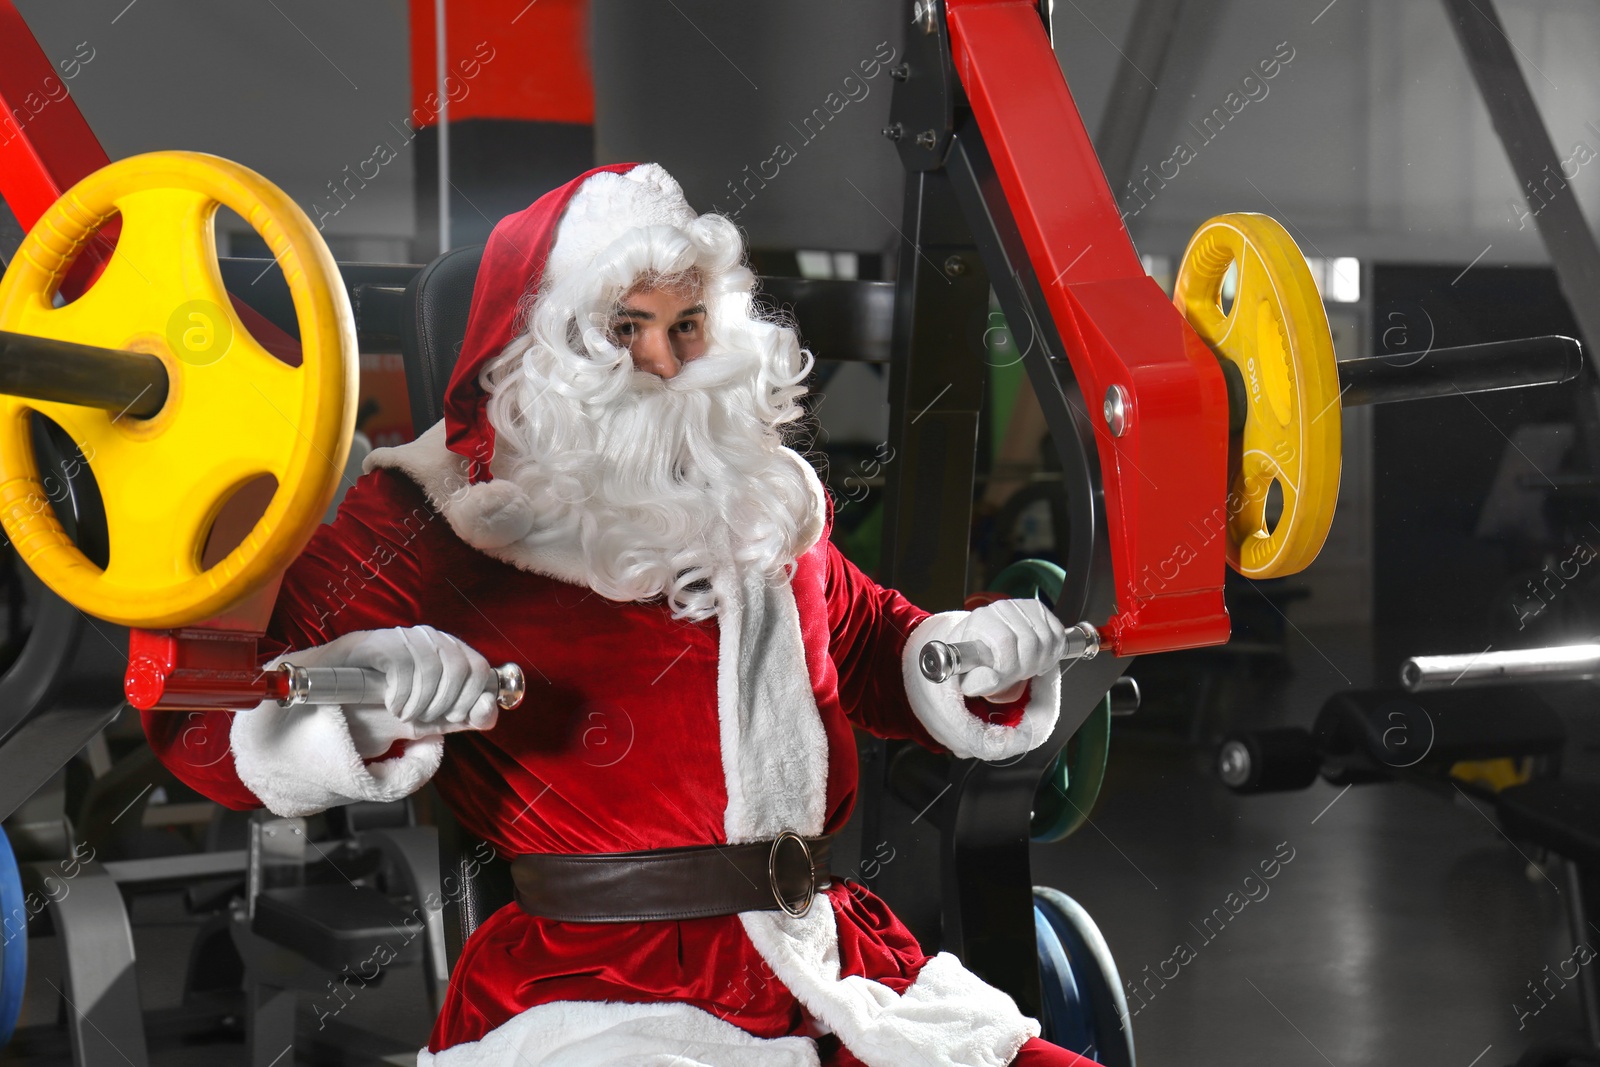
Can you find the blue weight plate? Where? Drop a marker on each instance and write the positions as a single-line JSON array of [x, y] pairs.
[[14, 947], [1094, 974], [1068, 1018]]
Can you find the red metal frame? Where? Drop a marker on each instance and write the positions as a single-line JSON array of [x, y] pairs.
[[45, 144], [1165, 478]]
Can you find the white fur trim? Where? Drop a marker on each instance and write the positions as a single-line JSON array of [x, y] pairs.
[[943, 710], [774, 750], [949, 1017], [496, 512], [302, 760], [605, 1034], [607, 206]]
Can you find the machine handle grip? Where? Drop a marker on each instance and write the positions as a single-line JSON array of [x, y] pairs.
[[940, 661], [364, 685]]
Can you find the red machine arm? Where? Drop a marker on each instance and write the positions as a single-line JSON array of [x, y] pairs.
[[1165, 475]]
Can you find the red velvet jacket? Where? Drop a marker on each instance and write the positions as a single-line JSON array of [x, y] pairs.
[[615, 748]]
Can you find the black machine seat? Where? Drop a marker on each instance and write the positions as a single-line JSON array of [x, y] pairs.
[[337, 926], [1561, 816], [437, 301]]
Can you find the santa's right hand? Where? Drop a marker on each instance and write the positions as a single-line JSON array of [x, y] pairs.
[[433, 682]]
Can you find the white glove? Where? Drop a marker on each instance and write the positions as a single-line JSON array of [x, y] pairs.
[[433, 683], [307, 758], [1024, 639]]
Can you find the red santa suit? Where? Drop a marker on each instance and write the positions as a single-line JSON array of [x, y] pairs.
[[639, 731]]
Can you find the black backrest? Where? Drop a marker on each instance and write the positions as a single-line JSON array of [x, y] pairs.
[[476, 884], [435, 321]]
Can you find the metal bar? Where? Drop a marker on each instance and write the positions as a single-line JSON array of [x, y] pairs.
[[1565, 663], [1453, 371], [42, 368], [441, 74], [1526, 140], [1086, 592], [177, 870], [936, 387], [1133, 90]]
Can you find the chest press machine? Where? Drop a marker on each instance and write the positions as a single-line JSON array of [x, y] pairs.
[[1173, 420]]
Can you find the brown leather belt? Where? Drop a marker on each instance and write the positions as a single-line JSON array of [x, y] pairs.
[[783, 874]]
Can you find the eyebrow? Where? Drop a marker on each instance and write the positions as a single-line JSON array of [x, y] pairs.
[[639, 313]]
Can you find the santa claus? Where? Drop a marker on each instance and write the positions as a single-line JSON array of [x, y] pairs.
[[609, 502]]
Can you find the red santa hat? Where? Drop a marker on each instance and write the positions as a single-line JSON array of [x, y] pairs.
[[559, 233]]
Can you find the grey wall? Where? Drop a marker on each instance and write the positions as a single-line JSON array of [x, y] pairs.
[[1371, 142], [296, 89], [722, 83]]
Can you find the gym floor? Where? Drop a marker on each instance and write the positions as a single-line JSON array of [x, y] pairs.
[[1404, 930], [1398, 927]]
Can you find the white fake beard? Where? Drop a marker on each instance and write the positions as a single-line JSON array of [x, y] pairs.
[[668, 483]]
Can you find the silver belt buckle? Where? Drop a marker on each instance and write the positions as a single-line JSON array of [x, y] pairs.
[[811, 874]]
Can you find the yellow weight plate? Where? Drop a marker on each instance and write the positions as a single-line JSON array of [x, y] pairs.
[[1276, 333], [1497, 774], [234, 412]]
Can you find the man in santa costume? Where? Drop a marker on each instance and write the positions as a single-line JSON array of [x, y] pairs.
[[609, 503]]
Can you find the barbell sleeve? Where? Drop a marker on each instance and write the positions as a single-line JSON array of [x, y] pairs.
[[940, 661], [1438, 372], [364, 685], [42, 368], [1564, 663]]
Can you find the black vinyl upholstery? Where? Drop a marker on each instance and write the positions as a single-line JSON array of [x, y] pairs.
[[337, 927], [475, 884], [435, 321]]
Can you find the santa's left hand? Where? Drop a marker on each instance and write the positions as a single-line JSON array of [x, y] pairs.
[[1024, 639]]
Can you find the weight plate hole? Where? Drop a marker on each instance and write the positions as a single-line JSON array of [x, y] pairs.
[[70, 489], [233, 235], [238, 516], [1229, 289], [103, 243], [1274, 507]]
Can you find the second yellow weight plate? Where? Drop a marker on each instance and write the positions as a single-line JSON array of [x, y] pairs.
[[1275, 331]]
